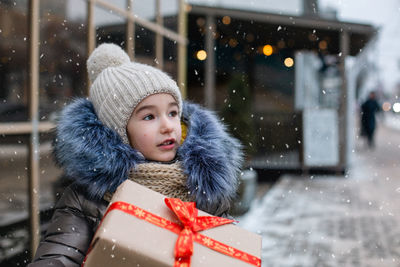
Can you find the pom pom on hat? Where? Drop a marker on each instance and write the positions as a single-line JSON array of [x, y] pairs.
[[119, 85], [104, 56]]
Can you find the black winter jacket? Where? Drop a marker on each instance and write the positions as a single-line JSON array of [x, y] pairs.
[[97, 161]]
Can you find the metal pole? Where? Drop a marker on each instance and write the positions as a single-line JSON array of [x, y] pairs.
[[159, 37], [210, 64], [130, 32], [343, 116], [182, 48], [91, 36], [10, 128], [33, 161]]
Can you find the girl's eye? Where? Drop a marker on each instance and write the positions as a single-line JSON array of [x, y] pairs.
[[148, 117], [173, 113]]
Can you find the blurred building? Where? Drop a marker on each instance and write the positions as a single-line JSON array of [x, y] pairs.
[[293, 57]]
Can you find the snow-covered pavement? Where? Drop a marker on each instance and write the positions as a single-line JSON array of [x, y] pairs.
[[351, 220]]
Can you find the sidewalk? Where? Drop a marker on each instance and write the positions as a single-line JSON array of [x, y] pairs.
[[351, 220]]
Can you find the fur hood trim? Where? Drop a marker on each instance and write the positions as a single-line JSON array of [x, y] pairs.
[[95, 157]]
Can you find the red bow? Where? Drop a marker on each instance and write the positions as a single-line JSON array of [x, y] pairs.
[[187, 214]]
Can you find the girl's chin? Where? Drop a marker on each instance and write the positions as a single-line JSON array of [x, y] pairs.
[[166, 157]]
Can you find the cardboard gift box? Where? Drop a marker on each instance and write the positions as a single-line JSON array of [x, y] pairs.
[[126, 239]]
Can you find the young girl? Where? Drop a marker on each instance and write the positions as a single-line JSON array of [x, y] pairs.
[[134, 126]]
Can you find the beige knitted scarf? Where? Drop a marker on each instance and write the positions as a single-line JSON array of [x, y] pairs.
[[166, 179]]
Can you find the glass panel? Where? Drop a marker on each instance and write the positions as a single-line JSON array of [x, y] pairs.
[[145, 9], [110, 28], [171, 58], [13, 55], [195, 74], [104, 16], [51, 184], [13, 107], [170, 11], [13, 182], [14, 199], [14, 220], [145, 50], [62, 56]]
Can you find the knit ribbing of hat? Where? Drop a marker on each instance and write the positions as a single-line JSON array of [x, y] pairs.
[[114, 105]]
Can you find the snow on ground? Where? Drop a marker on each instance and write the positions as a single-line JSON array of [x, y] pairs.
[[351, 220], [327, 221]]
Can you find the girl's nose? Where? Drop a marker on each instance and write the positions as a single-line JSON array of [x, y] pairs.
[[166, 124]]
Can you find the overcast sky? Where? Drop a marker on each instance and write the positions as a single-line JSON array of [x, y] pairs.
[[384, 14]]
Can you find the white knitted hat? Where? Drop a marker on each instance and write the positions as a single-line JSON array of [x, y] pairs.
[[119, 85]]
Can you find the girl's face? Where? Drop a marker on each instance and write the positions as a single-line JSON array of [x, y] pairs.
[[154, 128]]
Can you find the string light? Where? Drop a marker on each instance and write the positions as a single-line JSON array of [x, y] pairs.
[[226, 20], [268, 50], [289, 62], [201, 55]]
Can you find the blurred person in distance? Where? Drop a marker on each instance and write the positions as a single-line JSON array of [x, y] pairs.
[[368, 120]]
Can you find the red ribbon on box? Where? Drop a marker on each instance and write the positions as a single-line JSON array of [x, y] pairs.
[[189, 230]]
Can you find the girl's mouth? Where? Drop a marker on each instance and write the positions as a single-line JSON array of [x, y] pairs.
[[167, 144]]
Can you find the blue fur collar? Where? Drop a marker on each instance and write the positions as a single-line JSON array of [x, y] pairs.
[[95, 157]]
